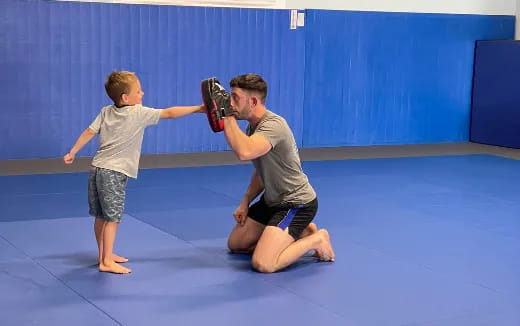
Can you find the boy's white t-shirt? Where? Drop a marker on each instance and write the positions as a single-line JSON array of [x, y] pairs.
[[121, 132]]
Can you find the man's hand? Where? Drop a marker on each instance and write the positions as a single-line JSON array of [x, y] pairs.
[[240, 212], [68, 158]]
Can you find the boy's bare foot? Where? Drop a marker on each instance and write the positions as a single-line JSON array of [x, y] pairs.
[[119, 259], [324, 251], [116, 258], [113, 267]]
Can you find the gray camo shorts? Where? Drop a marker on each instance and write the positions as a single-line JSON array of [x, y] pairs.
[[106, 194]]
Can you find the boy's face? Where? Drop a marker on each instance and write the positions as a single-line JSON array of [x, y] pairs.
[[135, 96]]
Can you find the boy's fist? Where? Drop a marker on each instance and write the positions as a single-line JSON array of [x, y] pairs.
[[68, 159]]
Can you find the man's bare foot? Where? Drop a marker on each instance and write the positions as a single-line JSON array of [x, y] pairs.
[[324, 251], [309, 230], [113, 267]]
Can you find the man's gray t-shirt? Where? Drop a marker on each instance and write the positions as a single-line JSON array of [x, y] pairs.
[[280, 168], [121, 133]]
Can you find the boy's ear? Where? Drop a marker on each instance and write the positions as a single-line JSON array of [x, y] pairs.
[[124, 97]]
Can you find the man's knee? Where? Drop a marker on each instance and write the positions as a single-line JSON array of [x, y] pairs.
[[236, 246], [233, 248], [232, 245], [262, 266]]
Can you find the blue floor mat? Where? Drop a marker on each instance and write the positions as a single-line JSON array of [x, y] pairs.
[[418, 241]]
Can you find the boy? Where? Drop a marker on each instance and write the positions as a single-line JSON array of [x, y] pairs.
[[121, 128]]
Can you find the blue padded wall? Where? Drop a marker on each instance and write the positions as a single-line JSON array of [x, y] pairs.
[[495, 114], [346, 78], [54, 57], [391, 78]]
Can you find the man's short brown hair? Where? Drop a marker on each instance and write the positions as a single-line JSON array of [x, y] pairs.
[[252, 83]]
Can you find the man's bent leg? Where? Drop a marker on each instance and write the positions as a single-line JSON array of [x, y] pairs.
[[277, 249], [243, 238]]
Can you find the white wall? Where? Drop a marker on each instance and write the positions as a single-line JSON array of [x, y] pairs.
[[486, 7], [517, 31], [482, 7], [205, 3]]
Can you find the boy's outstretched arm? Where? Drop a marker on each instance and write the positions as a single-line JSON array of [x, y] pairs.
[[179, 111], [84, 138]]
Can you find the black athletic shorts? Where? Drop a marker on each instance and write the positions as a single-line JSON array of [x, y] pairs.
[[295, 217]]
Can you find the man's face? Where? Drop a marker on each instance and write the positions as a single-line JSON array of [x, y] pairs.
[[241, 102]]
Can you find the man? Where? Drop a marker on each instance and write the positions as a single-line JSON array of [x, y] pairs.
[[277, 228]]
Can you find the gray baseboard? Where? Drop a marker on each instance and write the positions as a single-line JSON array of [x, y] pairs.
[[82, 164]]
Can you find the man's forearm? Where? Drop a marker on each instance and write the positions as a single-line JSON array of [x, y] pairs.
[[235, 137], [255, 187]]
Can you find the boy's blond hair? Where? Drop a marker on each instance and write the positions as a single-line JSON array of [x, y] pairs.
[[119, 83]]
